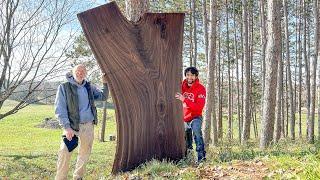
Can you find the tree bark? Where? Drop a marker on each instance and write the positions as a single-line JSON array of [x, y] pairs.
[[306, 63], [242, 79], [277, 131], [292, 125], [247, 119], [251, 50], [300, 73], [205, 29], [220, 90], [310, 123], [288, 67], [208, 109], [313, 73], [190, 33], [195, 43], [135, 9], [273, 55], [229, 76], [286, 106], [317, 51], [263, 44], [210, 100], [237, 69]]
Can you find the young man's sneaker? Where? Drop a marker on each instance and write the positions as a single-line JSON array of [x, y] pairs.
[[201, 161]]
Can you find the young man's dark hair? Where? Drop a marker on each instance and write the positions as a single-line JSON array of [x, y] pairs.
[[193, 70]]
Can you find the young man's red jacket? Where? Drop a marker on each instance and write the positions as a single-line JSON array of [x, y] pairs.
[[195, 97]]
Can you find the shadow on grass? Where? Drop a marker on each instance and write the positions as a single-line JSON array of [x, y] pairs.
[[40, 166], [18, 157]]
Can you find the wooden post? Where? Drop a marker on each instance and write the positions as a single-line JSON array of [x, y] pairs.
[[104, 116]]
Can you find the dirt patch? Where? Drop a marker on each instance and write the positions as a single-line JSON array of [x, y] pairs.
[[236, 170], [252, 170], [49, 123]]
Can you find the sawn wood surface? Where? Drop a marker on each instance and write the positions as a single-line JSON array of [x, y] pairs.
[[142, 64]]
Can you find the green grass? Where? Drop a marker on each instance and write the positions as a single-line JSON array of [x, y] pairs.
[[28, 152]]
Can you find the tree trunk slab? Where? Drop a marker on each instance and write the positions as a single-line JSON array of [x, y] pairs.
[[142, 65]]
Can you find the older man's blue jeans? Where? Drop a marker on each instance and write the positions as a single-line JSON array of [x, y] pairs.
[[195, 127]]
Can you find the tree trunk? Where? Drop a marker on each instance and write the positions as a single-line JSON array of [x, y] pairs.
[[104, 117], [237, 68], [242, 80], [277, 132], [103, 122], [292, 125], [210, 77], [285, 105], [205, 28], [263, 45], [300, 72], [288, 66], [195, 43], [310, 123], [306, 63], [232, 102], [317, 52], [229, 76], [210, 100], [247, 119], [273, 55], [190, 33], [313, 74], [220, 90], [251, 50], [136, 8]]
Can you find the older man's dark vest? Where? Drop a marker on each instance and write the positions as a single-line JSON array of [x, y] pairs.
[[72, 100]]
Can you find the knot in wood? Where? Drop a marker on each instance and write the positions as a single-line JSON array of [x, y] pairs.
[[161, 22], [161, 107]]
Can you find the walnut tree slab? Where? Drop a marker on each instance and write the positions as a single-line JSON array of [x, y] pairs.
[[142, 65]]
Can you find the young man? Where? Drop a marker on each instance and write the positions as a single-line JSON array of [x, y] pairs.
[[193, 98], [76, 112]]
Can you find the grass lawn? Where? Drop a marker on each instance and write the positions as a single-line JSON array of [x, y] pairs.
[[28, 152]]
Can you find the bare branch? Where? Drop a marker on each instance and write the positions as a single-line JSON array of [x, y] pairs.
[[32, 46]]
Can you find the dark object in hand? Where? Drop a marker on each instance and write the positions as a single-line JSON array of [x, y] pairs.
[[71, 145]]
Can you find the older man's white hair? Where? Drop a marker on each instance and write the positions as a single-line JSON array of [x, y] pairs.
[[79, 67]]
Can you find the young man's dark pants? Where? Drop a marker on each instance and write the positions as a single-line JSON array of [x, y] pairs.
[[195, 127]]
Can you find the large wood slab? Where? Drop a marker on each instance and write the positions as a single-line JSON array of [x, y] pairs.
[[142, 64]]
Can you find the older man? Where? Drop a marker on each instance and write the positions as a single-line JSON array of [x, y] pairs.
[[76, 112]]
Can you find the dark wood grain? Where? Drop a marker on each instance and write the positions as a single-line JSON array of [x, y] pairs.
[[142, 64]]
